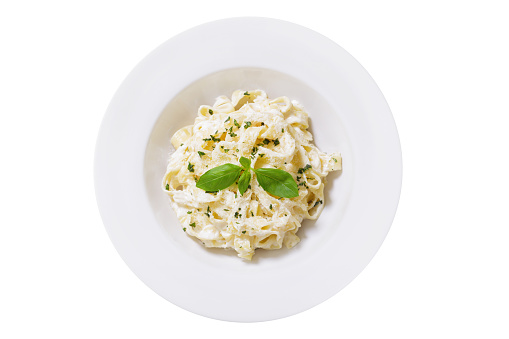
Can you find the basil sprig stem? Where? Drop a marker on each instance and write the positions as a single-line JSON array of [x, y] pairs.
[[275, 181]]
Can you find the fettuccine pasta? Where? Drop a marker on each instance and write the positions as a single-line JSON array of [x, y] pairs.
[[273, 134]]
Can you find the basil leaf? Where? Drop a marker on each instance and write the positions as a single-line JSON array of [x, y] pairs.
[[245, 162], [244, 181], [277, 182], [219, 177]]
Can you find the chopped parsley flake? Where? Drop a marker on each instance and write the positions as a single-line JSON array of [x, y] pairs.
[[261, 155], [190, 167], [211, 112], [246, 93], [303, 184], [226, 210], [304, 169], [266, 141], [192, 224], [252, 214], [200, 153], [181, 144], [282, 130], [189, 212], [247, 124], [226, 150], [167, 187], [335, 160], [236, 123], [270, 206], [276, 142], [184, 229], [253, 152], [227, 119], [243, 232]]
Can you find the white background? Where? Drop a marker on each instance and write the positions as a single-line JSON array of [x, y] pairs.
[[443, 271]]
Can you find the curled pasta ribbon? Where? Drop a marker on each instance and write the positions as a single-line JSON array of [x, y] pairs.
[[181, 136], [282, 103]]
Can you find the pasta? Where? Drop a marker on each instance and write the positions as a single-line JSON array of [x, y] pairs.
[[273, 134]]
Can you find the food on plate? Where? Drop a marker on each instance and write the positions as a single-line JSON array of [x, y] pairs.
[[246, 173]]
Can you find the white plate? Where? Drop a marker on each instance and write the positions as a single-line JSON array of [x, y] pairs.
[[348, 114]]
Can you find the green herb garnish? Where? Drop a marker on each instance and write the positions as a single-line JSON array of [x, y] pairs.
[[244, 180], [276, 142], [193, 224], [318, 202], [245, 162], [210, 111], [190, 167], [247, 124], [246, 93], [219, 178], [253, 152], [167, 187], [236, 123], [304, 169], [227, 119], [275, 181], [200, 153]]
